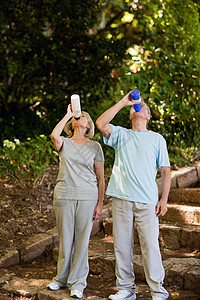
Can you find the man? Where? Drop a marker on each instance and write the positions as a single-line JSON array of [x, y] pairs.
[[138, 154]]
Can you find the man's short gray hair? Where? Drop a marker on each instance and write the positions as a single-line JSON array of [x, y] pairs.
[[148, 108]]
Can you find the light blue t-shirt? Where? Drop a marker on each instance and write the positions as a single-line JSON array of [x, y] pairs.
[[138, 155]]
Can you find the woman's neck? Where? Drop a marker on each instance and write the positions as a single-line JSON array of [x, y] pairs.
[[79, 135]]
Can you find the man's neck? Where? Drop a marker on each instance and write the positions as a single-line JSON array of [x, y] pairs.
[[139, 126]]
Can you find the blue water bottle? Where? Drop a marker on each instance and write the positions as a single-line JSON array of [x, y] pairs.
[[135, 95]]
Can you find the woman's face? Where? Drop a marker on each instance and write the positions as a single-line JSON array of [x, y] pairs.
[[81, 122]]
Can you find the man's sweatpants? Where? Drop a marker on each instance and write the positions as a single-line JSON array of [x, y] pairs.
[[74, 223], [125, 213]]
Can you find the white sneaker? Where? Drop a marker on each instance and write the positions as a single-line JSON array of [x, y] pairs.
[[53, 286], [76, 294], [157, 298], [123, 295]]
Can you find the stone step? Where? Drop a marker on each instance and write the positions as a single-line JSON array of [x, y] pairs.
[[182, 178], [182, 271], [185, 196], [179, 214], [178, 237], [36, 289], [26, 288], [171, 236], [182, 214], [35, 246], [185, 177], [182, 275], [186, 237]]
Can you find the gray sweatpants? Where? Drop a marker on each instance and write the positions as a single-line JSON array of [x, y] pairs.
[[74, 223], [125, 213]]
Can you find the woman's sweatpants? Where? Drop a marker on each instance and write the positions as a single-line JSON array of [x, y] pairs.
[[74, 223], [125, 213]]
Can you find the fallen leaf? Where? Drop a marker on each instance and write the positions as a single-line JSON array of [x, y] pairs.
[[175, 294]]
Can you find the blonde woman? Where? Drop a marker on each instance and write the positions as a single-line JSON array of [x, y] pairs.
[[78, 198]]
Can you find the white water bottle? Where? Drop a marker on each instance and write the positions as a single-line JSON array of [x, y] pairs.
[[76, 105]]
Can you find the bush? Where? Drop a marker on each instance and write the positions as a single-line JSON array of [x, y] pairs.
[[24, 161]]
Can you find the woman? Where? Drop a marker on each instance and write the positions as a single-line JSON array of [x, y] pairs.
[[78, 198]]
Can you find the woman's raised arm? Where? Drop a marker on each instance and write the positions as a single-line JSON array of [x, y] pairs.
[[55, 135]]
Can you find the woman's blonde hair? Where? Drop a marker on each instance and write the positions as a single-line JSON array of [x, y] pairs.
[[89, 133]]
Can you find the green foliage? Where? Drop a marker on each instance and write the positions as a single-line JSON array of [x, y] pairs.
[[101, 50], [165, 67], [183, 156], [51, 50], [24, 161], [171, 70]]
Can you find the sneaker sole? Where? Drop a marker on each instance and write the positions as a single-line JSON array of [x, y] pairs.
[[131, 297], [74, 296], [53, 289], [60, 287]]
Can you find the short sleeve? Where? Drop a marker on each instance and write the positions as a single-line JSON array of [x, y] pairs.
[[63, 141], [99, 154], [162, 156], [114, 136]]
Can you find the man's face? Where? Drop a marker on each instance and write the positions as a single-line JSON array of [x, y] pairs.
[[143, 113]]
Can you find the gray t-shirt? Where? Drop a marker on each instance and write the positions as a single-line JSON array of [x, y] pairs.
[[76, 178]]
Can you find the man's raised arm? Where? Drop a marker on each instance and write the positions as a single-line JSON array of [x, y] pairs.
[[103, 121]]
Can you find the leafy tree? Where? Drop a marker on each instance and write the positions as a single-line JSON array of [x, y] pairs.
[[101, 50], [164, 65], [49, 50]]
